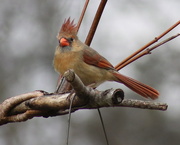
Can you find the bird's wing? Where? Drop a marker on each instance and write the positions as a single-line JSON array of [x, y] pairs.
[[92, 57]]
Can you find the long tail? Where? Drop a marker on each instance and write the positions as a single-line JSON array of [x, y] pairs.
[[138, 87]]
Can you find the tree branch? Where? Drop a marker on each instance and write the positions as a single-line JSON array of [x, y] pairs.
[[42, 104]]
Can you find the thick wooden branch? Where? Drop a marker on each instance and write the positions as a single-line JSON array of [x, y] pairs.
[[43, 104]]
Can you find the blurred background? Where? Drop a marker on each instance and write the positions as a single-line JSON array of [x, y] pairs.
[[28, 30]]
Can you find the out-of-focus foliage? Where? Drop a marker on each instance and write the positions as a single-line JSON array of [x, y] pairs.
[[28, 30]]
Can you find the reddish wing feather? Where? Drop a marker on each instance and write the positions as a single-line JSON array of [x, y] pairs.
[[92, 57]]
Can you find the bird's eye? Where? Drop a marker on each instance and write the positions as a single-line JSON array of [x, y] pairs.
[[71, 39]]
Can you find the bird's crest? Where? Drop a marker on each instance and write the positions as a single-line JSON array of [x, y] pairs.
[[68, 27]]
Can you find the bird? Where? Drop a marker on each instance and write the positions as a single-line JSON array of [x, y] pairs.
[[91, 67]]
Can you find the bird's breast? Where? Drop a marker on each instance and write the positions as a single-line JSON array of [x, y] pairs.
[[65, 61]]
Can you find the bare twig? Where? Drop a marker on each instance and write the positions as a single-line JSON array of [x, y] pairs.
[[163, 42], [121, 64], [147, 51], [82, 14], [95, 22]]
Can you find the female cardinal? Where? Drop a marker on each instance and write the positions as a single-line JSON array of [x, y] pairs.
[[92, 68]]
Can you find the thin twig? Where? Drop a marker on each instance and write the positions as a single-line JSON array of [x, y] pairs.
[[147, 51], [163, 42], [103, 126], [82, 14], [120, 65], [95, 22], [69, 117]]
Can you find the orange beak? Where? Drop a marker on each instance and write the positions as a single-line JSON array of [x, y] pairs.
[[63, 42]]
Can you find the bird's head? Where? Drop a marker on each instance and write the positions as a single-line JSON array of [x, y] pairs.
[[67, 35]]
